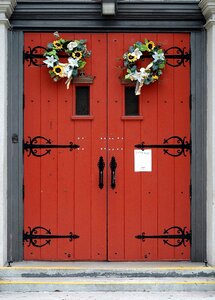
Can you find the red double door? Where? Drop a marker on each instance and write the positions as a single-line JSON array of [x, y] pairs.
[[90, 203]]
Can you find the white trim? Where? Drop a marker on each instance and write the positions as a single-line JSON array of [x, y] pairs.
[[6, 9], [208, 10]]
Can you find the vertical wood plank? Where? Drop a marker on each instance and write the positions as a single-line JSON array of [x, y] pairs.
[[32, 166], [149, 102], [66, 170], [166, 166], [116, 225], [99, 146], [49, 163], [182, 128], [132, 180]]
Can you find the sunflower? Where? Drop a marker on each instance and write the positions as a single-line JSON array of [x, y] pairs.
[[57, 45], [77, 54], [150, 46], [58, 70], [131, 57]]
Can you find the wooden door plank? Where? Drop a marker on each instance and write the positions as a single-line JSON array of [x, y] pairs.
[[66, 170], [116, 226], [49, 163], [149, 135], [99, 146], [32, 200], [182, 128], [132, 185], [166, 206]]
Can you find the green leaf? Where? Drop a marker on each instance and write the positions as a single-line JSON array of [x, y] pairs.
[[50, 53], [127, 76], [52, 74], [82, 41], [143, 48], [81, 64], [161, 66]]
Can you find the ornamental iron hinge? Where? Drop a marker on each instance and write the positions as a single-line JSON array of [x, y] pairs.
[[182, 146], [33, 145], [32, 236], [178, 56], [182, 236]]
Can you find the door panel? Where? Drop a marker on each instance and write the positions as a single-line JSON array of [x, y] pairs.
[[67, 197], [149, 202], [66, 215]]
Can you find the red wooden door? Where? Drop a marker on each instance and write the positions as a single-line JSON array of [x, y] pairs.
[[135, 215]]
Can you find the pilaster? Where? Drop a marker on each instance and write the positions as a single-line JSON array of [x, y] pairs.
[[6, 9], [208, 10]]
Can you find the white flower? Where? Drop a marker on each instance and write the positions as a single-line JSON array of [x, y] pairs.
[[137, 53], [73, 62], [50, 60], [136, 76], [56, 34], [72, 45], [68, 68], [158, 56], [140, 76]]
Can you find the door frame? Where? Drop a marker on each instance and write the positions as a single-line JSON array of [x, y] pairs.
[[198, 112]]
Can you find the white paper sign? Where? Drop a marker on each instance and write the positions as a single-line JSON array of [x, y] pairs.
[[143, 160]]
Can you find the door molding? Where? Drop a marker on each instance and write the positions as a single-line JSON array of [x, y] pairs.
[[26, 18], [198, 135], [78, 15]]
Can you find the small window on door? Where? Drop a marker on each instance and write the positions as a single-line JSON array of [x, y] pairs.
[[82, 107], [131, 102]]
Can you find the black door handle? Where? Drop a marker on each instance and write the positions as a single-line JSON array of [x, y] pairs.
[[101, 166], [113, 166]]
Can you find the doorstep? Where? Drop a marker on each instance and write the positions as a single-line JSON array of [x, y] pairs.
[[107, 269], [106, 276]]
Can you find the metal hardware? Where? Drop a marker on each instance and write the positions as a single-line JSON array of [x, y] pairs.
[[182, 145], [181, 56], [15, 138], [9, 263], [113, 166], [101, 166], [182, 237], [32, 56], [33, 145], [32, 236]]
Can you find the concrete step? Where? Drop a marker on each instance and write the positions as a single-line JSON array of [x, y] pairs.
[[50, 277], [104, 271], [78, 284]]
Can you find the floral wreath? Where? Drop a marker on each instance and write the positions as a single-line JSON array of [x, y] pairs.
[[146, 75], [76, 51]]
